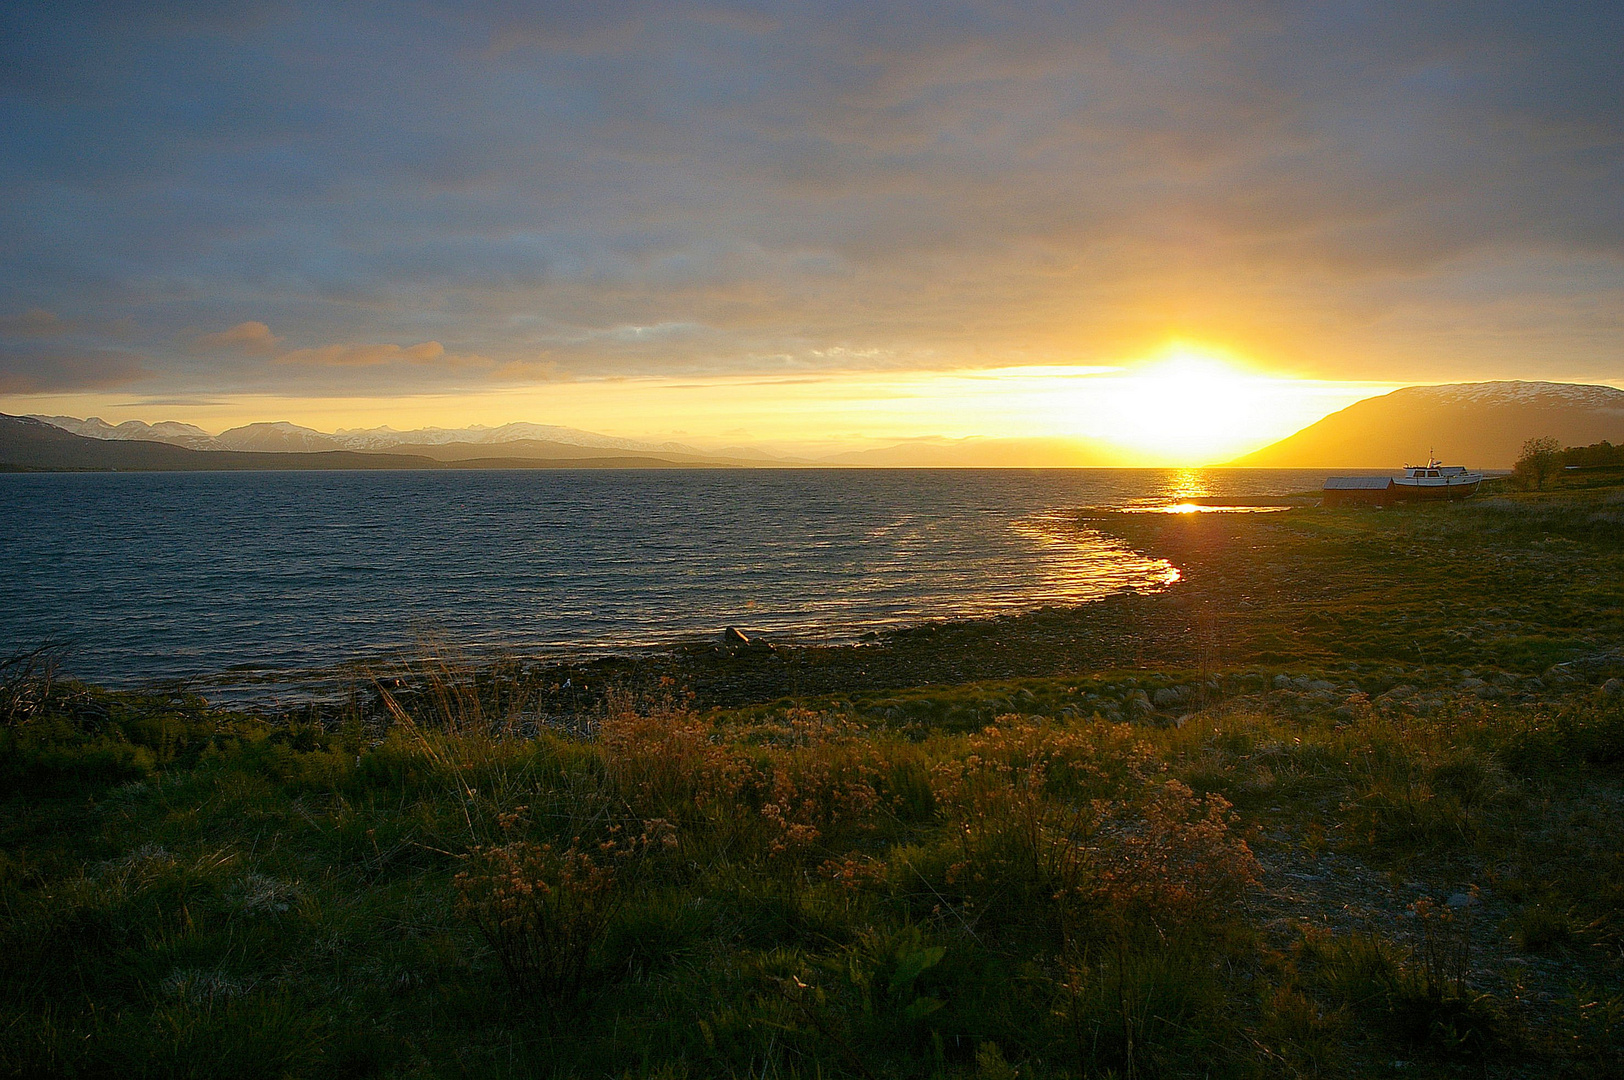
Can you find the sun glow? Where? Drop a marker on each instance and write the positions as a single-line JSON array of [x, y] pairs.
[[1185, 406], [1191, 406]]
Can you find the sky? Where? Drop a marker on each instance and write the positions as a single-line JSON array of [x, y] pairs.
[[805, 223]]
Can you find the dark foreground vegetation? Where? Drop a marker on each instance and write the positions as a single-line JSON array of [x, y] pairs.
[[1347, 801]]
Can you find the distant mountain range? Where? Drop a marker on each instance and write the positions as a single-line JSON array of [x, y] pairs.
[[1481, 425], [27, 443], [552, 443], [528, 442], [283, 437]]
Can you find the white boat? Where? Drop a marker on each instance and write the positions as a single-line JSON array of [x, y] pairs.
[[1419, 483], [1435, 480]]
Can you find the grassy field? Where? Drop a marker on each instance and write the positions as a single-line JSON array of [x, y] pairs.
[[1346, 801]]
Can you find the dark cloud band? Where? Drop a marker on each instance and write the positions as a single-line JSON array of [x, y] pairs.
[[1353, 189]]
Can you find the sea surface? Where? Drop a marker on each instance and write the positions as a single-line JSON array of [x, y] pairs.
[[243, 577]]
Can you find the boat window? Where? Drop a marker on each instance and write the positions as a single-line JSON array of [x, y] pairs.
[[1432, 472]]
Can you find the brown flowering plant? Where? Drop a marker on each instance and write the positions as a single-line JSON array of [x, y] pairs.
[[666, 763], [1025, 801], [544, 910], [1175, 856], [808, 797]]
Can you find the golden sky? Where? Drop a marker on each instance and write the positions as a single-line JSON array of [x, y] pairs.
[[1184, 407]]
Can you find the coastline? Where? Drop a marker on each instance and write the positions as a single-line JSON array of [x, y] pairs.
[[1267, 608]]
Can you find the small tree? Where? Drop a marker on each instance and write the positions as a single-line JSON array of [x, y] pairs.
[[1539, 461]]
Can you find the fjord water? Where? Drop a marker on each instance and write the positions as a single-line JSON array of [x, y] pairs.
[[154, 576]]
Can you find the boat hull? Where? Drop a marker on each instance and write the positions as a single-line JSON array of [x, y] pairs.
[[1441, 490]]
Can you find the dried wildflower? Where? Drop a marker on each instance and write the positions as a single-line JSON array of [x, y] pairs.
[[541, 910]]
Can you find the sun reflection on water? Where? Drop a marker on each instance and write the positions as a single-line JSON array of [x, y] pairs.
[[1189, 491], [1187, 484]]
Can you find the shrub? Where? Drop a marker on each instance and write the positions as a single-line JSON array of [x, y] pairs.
[[1175, 857], [542, 911], [664, 763], [825, 795], [1025, 800]]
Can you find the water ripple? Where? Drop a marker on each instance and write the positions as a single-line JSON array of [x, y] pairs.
[[165, 575]]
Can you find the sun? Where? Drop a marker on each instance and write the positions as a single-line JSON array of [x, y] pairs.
[[1189, 406]]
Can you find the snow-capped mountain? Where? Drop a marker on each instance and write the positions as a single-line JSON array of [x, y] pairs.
[[168, 431], [279, 436], [1537, 394]]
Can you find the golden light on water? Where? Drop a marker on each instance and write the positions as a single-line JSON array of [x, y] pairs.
[[1189, 484]]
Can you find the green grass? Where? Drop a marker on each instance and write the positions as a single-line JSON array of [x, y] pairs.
[[1346, 797]]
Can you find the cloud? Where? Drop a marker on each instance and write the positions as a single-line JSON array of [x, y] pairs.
[[424, 354], [247, 337], [38, 372], [364, 355], [35, 322], [1348, 189], [529, 371]]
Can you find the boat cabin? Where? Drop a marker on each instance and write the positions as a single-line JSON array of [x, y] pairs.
[[1433, 471]]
